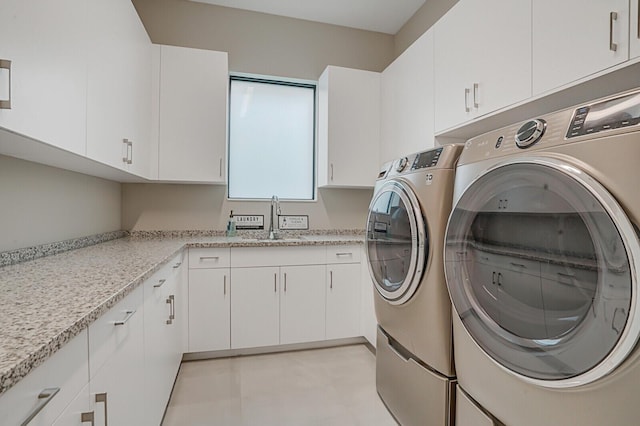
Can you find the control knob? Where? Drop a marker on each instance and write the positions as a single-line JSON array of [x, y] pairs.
[[402, 164], [530, 132]]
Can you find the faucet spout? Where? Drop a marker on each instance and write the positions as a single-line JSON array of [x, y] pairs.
[[275, 211]]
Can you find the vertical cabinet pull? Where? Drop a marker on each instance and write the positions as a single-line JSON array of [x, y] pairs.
[[275, 283], [331, 280], [331, 172], [220, 166], [224, 291], [638, 20], [87, 417], [172, 312], [476, 104], [285, 282], [5, 64], [44, 398], [613, 16], [466, 99], [128, 158], [102, 397]]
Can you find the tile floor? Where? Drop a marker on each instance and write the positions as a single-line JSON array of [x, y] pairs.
[[320, 387]]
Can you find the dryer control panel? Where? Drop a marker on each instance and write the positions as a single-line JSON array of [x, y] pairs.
[[621, 111], [426, 159]]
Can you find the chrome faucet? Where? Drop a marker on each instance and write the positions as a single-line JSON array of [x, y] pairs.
[[273, 228]]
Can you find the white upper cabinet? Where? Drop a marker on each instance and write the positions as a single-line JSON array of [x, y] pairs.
[[634, 31], [406, 101], [46, 44], [482, 59], [573, 39], [348, 127], [119, 87], [191, 114]]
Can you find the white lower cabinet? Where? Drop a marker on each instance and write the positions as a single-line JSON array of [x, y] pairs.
[[209, 310], [255, 307], [79, 412], [343, 300], [162, 340], [51, 386], [117, 385], [302, 303]]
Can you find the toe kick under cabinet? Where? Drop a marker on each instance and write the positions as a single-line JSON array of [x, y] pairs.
[[267, 296]]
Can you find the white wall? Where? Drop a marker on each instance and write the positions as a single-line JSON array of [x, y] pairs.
[[41, 204], [148, 207]]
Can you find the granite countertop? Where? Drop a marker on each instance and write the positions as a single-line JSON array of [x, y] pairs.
[[49, 300]]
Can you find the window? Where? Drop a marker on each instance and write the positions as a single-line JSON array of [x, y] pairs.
[[271, 139]]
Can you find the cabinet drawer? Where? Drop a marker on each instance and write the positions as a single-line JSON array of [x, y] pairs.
[[277, 256], [343, 254], [205, 258], [111, 330], [67, 370]]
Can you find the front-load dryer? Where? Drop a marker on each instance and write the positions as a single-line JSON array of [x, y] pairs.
[[404, 244], [541, 261]]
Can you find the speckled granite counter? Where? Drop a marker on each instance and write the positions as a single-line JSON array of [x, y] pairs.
[[47, 301]]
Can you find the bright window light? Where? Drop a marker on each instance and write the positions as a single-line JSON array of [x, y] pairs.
[[271, 139]]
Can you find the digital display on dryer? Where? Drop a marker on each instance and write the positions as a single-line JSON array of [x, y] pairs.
[[623, 111], [426, 159]]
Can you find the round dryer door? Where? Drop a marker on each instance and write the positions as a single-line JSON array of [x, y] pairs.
[[396, 242], [539, 261]]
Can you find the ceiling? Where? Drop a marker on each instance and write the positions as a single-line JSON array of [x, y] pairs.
[[386, 16]]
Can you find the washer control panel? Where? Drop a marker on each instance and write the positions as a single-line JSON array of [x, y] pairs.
[[426, 159]]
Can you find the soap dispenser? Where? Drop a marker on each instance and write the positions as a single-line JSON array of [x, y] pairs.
[[231, 226]]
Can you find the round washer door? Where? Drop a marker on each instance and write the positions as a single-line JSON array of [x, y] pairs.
[[396, 242], [539, 262]]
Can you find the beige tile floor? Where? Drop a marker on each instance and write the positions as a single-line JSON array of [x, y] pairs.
[[334, 386]]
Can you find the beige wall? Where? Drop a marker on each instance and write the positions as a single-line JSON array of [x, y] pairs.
[[265, 44], [204, 207], [42, 204], [420, 22]]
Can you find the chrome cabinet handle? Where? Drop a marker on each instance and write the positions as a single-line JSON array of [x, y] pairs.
[[466, 99], [638, 20], [87, 417], [126, 318], [177, 265], [285, 282], [102, 397], [344, 254], [5, 64], [613, 16], [220, 166], [160, 283], [172, 309], [125, 159], [331, 280], [475, 95], [519, 265], [209, 257], [44, 398], [275, 283], [224, 293], [332, 172], [131, 156]]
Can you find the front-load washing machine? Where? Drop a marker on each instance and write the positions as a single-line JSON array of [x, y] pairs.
[[404, 243], [541, 261]]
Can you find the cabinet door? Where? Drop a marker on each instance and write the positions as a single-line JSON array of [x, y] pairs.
[[406, 101], [494, 71], [255, 307], [159, 344], [46, 44], [79, 409], [119, 86], [634, 30], [209, 310], [348, 127], [117, 389], [343, 300], [567, 49], [302, 304], [193, 114]]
